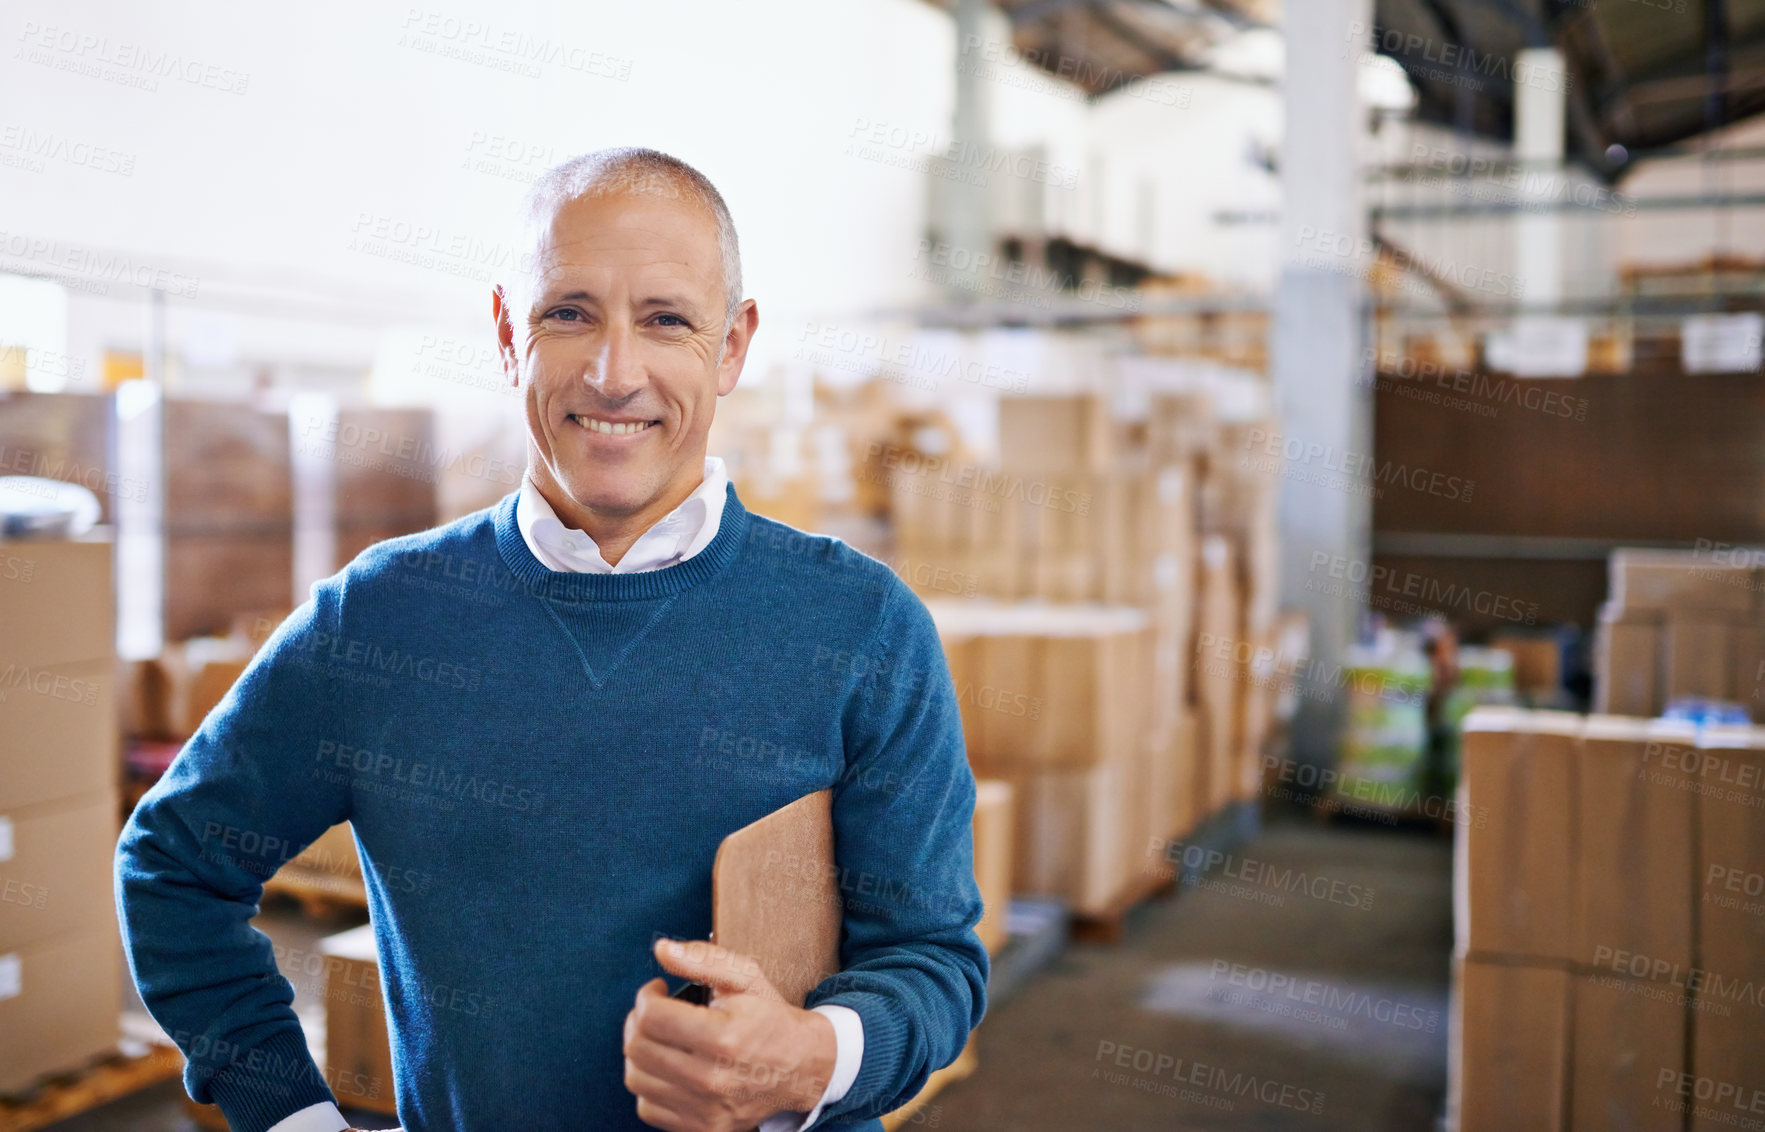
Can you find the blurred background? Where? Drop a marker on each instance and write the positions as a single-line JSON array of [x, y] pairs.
[[1328, 435]]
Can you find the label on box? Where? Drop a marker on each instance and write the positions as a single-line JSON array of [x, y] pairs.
[[1538, 346], [5, 838], [11, 977], [1721, 343]]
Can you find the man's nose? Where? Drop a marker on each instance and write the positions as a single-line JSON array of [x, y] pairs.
[[617, 370]]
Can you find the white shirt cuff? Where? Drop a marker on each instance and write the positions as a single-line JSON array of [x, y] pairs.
[[321, 1117], [848, 1055]]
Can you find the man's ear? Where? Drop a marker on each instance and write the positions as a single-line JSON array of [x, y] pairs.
[[505, 334], [736, 341]]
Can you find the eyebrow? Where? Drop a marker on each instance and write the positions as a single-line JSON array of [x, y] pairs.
[[584, 296]]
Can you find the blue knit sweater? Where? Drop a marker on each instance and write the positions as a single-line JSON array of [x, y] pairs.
[[539, 768]]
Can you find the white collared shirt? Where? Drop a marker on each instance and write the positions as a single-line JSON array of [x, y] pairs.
[[676, 537]]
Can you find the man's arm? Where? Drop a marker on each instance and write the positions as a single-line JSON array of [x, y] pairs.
[[911, 964], [239, 800]]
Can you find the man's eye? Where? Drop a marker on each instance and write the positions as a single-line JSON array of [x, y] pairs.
[[670, 320], [567, 314]]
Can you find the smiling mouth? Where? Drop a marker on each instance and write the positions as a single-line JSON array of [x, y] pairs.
[[612, 428]]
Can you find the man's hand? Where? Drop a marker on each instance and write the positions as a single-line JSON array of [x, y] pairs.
[[728, 1066]]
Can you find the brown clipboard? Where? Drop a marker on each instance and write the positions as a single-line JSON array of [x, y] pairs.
[[775, 895]]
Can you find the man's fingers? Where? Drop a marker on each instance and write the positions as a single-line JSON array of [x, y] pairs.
[[689, 1073], [671, 1022], [658, 1103], [716, 967]]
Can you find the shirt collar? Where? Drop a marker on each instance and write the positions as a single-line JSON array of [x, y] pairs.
[[674, 538]]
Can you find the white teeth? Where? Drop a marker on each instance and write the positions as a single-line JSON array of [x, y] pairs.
[[611, 428]]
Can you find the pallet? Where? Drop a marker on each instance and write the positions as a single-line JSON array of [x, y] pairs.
[[67, 1095], [1107, 926], [321, 895], [914, 1111]]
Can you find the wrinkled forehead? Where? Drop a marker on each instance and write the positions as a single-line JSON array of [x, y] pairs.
[[643, 240]]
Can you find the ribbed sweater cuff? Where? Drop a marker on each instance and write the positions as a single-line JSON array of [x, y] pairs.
[[886, 1041], [272, 1080]]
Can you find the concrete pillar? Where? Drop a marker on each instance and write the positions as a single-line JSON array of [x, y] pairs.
[[1539, 90], [1319, 351], [961, 201]]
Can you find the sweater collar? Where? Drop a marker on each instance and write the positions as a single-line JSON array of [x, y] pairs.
[[541, 581]]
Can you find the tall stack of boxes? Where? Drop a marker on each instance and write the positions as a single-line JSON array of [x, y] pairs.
[[1053, 702], [1680, 624], [1084, 546], [59, 953], [1608, 970]]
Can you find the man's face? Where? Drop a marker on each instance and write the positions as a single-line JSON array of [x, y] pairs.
[[623, 350]]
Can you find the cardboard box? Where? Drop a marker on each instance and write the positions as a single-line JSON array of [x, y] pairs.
[[992, 859], [1626, 1036], [1538, 661], [55, 868], [56, 602], [1627, 659], [1056, 433], [1042, 685], [333, 854], [1730, 783], [1186, 806], [1725, 1087], [218, 574], [1513, 890], [1696, 658], [1070, 841], [60, 1001], [1679, 581], [58, 734], [358, 1049], [1510, 1047], [227, 466], [1634, 864], [1746, 680]]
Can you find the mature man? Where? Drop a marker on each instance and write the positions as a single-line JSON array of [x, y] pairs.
[[541, 720]]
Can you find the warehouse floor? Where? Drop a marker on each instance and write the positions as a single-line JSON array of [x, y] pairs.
[[1304, 987]]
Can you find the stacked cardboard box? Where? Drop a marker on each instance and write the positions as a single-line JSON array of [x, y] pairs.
[[1602, 965], [992, 859], [59, 953], [229, 514], [1679, 624], [388, 462], [1054, 701]]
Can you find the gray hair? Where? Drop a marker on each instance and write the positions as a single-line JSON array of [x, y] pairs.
[[648, 172]]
